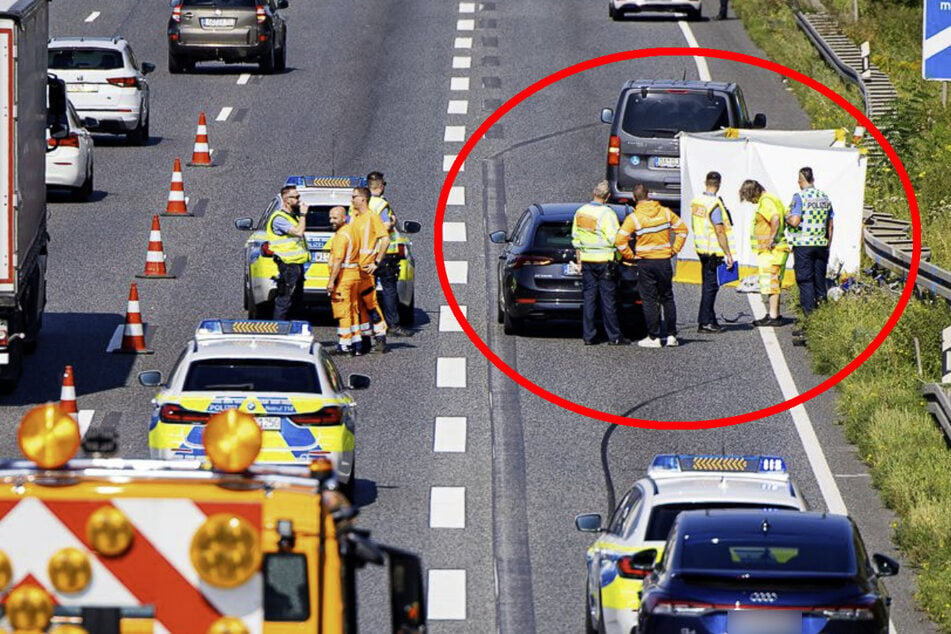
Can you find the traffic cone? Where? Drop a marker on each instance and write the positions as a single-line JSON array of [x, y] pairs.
[[176, 193], [155, 257], [67, 395], [201, 156], [133, 333]]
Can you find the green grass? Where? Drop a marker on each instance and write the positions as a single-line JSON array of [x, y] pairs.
[[880, 404]]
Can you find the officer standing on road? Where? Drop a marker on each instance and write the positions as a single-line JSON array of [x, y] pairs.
[[713, 241], [651, 224], [388, 272], [343, 283], [769, 244], [809, 232], [285, 235], [593, 231], [373, 240]]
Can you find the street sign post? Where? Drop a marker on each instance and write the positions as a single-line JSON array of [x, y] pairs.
[[936, 40]]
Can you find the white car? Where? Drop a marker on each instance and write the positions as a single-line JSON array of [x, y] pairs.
[[105, 81], [69, 161], [618, 8]]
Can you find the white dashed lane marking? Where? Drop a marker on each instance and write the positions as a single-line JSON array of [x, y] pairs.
[[92, 16], [457, 271], [453, 232], [459, 83], [465, 25], [84, 420], [463, 42], [458, 106], [457, 196], [454, 133], [224, 114], [448, 321], [451, 372], [446, 600], [447, 507], [243, 78], [467, 7], [447, 161], [449, 434], [462, 61]]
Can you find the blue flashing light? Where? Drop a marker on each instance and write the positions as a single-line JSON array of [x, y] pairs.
[[666, 462], [772, 464], [326, 181], [254, 327]]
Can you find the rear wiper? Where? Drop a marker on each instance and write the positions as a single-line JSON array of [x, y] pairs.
[[238, 387]]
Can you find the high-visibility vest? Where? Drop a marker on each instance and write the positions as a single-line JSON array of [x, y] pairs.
[[704, 234], [290, 249], [811, 232], [593, 231], [768, 206], [377, 205]]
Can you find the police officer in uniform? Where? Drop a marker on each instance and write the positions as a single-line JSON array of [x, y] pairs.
[[285, 235], [387, 274], [713, 241], [809, 232]]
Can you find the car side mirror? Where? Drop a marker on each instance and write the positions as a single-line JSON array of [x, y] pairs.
[[244, 224], [759, 121], [884, 566], [588, 522], [358, 381], [147, 67], [150, 378], [281, 4], [498, 237], [607, 115], [411, 226]]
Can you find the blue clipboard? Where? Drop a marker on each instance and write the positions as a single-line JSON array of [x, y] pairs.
[[725, 275]]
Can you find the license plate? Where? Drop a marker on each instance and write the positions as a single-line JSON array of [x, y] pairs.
[[81, 88], [320, 256], [211, 23], [671, 162], [570, 268], [269, 423], [764, 622]]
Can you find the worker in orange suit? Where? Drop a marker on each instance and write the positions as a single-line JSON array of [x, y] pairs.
[[343, 283], [373, 240]]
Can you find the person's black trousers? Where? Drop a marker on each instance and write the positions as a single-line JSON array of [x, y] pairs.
[[810, 266], [655, 279], [598, 286], [707, 315]]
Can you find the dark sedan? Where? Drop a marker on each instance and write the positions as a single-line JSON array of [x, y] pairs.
[[538, 279], [759, 572]]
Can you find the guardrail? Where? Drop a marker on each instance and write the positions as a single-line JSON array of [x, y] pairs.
[[886, 240]]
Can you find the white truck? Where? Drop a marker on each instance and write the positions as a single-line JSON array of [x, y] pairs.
[[32, 105]]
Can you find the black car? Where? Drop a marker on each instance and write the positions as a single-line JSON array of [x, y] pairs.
[[643, 146], [752, 572], [537, 274]]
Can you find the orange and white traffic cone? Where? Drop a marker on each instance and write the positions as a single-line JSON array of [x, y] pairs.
[[133, 332], [155, 257], [67, 395], [201, 156], [177, 206]]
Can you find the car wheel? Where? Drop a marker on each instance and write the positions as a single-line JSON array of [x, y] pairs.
[[268, 62], [694, 15], [613, 13], [407, 314], [511, 325], [84, 191], [140, 136], [281, 63], [176, 64]]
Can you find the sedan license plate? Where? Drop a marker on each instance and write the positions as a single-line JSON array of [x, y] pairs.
[[764, 622], [269, 423], [668, 162], [320, 256], [217, 23], [82, 88], [570, 269]]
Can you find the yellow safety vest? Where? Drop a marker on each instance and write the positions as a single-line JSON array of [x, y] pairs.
[[770, 205], [377, 205], [593, 231], [704, 234], [290, 249]]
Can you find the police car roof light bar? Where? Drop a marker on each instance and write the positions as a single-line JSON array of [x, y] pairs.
[[325, 181], [213, 328], [669, 464]]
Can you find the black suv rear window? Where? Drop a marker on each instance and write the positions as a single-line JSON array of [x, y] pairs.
[[83, 58], [664, 114], [252, 375], [803, 554], [552, 235]]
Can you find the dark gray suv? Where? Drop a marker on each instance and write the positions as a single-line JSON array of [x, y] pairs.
[[228, 30], [644, 148]]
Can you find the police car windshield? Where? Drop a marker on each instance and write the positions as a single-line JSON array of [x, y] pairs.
[[252, 375], [664, 114], [662, 517]]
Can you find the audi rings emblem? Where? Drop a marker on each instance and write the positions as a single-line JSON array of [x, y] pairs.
[[763, 597]]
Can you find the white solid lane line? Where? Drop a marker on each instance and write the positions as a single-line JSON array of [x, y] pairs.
[[448, 321], [453, 232], [92, 16], [446, 599], [449, 434], [243, 78], [224, 114], [451, 372], [447, 507], [702, 69]]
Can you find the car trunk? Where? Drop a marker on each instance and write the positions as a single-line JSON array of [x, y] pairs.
[[218, 26]]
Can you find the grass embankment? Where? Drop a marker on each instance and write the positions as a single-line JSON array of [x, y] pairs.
[[880, 404]]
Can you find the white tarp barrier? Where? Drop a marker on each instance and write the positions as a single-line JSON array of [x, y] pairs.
[[773, 157]]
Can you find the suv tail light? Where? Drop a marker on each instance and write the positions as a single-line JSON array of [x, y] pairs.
[[530, 260], [846, 612], [172, 413], [614, 150], [260, 14], [125, 82], [685, 608], [71, 140], [177, 13], [325, 416], [628, 570]]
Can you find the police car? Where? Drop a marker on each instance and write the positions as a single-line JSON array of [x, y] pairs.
[[273, 370], [634, 536], [320, 193]]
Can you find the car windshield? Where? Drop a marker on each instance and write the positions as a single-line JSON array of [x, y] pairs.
[[318, 217], [663, 516], [84, 58], [552, 235], [814, 553], [664, 114], [252, 375]]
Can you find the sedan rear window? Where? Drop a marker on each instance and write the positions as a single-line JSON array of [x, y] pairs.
[[252, 375], [553, 236], [84, 59], [221, 3], [801, 554], [664, 114]]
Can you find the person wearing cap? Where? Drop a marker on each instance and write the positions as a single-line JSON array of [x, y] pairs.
[[713, 242]]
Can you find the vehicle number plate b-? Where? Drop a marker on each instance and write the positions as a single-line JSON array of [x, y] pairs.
[[269, 423], [217, 22], [672, 162], [320, 256], [570, 268]]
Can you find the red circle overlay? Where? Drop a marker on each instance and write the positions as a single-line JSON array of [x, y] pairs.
[[677, 52]]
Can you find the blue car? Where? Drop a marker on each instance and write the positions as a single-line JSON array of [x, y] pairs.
[[765, 572]]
